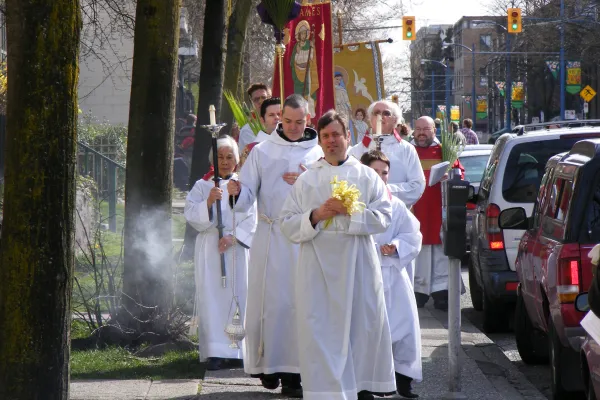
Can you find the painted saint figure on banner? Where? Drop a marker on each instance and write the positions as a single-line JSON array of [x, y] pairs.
[[304, 65]]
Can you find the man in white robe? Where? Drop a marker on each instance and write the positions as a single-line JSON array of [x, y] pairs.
[[398, 247], [343, 331], [271, 169], [407, 180]]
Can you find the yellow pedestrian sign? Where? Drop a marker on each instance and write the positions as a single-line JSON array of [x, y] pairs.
[[587, 93]]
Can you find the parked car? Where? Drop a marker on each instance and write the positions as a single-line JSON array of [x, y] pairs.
[[511, 179], [494, 136], [474, 158], [552, 264]]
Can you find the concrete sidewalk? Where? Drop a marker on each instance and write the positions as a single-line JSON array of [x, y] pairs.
[[486, 374]]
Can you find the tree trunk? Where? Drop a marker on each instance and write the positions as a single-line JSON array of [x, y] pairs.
[[236, 36], [147, 275], [37, 250], [212, 69]]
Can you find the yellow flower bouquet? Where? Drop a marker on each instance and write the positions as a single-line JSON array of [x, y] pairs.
[[348, 195]]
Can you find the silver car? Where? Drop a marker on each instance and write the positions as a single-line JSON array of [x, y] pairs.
[[474, 158]]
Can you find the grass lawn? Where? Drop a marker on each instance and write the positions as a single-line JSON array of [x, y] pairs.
[[118, 363]]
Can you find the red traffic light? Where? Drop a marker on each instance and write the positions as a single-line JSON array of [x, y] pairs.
[[515, 14], [409, 22]]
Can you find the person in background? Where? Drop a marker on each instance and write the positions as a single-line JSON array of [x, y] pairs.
[[468, 133], [270, 115], [431, 274], [398, 247], [407, 182], [454, 130], [213, 302], [257, 93], [404, 132]]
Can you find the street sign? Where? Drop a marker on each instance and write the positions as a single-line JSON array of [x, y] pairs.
[[585, 107], [587, 93], [570, 114], [535, 120]]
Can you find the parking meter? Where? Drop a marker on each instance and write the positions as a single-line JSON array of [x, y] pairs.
[[455, 193]]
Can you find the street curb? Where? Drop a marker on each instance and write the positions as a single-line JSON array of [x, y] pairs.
[[506, 377]]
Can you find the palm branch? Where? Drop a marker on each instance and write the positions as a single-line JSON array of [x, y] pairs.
[[452, 146], [236, 108], [279, 11]]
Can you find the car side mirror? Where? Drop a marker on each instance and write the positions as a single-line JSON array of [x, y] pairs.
[[472, 196], [514, 218], [581, 302]]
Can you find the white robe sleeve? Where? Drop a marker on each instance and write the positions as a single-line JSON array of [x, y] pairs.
[[245, 226], [377, 215], [411, 190], [196, 208], [295, 223], [250, 180], [246, 137], [407, 235], [357, 150]]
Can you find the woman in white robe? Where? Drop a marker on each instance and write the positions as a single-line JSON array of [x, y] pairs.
[[213, 302], [398, 247], [344, 341]]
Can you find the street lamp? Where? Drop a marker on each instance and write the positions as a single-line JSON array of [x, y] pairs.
[[508, 86], [446, 76], [473, 92]]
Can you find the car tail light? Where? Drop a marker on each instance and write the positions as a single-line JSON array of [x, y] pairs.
[[471, 206], [568, 279], [493, 232]]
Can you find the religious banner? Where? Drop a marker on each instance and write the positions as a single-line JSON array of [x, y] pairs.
[[455, 114], [308, 59], [500, 85], [553, 67], [573, 77], [482, 107], [358, 82], [518, 95]]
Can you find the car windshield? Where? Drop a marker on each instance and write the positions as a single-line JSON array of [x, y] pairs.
[[525, 167], [474, 166]]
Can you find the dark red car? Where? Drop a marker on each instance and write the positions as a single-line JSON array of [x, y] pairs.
[[552, 263]]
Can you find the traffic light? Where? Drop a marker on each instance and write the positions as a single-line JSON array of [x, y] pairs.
[[408, 28], [514, 20]]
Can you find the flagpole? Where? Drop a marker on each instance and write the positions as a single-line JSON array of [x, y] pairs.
[[340, 33]]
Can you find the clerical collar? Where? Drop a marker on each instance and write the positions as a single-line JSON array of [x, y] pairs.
[[309, 134], [340, 163]]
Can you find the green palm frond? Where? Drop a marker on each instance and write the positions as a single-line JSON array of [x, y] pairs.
[[253, 121], [236, 108], [279, 10], [452, 146]]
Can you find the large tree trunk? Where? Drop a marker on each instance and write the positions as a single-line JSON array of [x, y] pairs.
[[147, 278], [37, 251], [236, 36], [212, 69]]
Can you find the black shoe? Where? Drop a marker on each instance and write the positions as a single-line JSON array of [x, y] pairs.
[[290, 391], [214, 364], [441, 305], [364, 395], [269, 382], [421, 299], [403, 385]]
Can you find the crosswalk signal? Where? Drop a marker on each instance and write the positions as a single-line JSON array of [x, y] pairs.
[[408, 28], [514, 20]]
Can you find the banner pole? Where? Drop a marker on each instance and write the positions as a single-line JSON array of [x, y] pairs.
[[390, 40]]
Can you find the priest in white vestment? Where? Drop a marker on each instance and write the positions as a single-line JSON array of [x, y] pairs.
[[398, 247], [343, 331], [407, 181], [267, 177], [213, 302]]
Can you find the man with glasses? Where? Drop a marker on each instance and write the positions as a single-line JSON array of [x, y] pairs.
[[257, 92], [431, 274], [407, 180]]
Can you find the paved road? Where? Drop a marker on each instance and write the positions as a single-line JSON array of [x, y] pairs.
[[538, 375]]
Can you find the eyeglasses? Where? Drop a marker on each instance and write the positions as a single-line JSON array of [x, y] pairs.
[[428, 129], [384, 113], [257, 99]]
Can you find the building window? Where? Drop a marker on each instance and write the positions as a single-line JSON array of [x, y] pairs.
[[485, 42]]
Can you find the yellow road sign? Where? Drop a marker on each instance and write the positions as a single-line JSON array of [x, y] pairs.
[[587, 93]]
